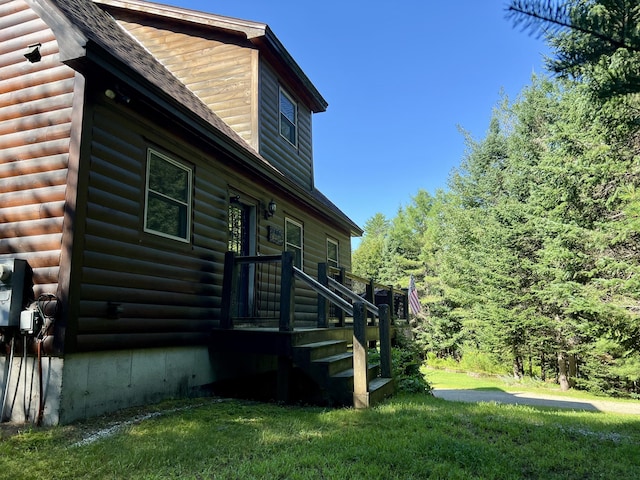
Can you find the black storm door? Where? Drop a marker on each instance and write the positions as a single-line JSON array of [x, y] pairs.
[[242, 243]]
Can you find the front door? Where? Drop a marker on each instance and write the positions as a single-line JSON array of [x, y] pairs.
[[242, 241]]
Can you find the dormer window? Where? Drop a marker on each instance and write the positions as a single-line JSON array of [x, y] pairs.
[[288, 118]]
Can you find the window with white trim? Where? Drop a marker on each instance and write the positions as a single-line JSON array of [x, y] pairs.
[[332, 253], [288, 118], [167, 197], [293, 240]]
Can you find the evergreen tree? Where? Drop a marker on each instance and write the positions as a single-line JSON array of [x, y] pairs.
[[368, 257], [585, 287], [594, 41], [533, 253], [498, 312]]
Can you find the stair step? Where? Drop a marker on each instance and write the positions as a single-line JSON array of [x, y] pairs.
[[380, 388], [373, 369], [335, 363], [319, 335], [317, 350], [325, 358]]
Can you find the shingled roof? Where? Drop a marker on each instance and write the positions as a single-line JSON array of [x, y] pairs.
[[100, 31], [86, 33]]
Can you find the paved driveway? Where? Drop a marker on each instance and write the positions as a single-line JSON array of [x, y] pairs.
[[534, 399]]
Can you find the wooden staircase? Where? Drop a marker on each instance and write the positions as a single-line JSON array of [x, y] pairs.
[[328, 362]]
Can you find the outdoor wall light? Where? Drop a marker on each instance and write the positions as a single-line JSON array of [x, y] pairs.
[[270, 210], [33, 55], [116, 95]]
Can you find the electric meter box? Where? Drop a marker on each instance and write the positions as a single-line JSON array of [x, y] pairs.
[[15, 280]]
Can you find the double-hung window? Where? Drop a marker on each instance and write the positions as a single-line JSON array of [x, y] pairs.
[[288, 118], [167, 197], [293, 241], [332, 253]]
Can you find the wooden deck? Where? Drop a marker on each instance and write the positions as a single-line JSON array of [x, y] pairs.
[[314, 365]]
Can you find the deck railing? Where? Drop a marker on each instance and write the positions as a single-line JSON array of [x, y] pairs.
[[359, 289], [331, 292], [260, 291]]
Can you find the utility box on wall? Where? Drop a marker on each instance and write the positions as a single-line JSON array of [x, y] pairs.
[[15, 281]]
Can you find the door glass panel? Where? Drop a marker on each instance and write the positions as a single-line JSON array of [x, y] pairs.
[[238, 229]]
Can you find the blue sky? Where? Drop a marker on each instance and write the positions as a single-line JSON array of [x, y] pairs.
[[400, 78]]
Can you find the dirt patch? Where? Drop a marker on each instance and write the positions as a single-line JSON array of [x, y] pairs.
[[10, 429], [95, 428]]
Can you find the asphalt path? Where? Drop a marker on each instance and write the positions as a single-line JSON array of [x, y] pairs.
[[536, 400]]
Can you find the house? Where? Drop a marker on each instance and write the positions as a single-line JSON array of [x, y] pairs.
[[140, 143]]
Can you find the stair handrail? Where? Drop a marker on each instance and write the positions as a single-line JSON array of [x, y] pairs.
[[372, 284], [353, 296], [360, 279], [324, 291]]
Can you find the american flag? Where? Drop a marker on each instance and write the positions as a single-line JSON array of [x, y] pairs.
[[414, 302]]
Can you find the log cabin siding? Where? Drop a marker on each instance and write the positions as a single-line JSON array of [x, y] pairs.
[[165, 289], [35, 125], [218, 69], [295, 161], [315, 234], [169, 291]]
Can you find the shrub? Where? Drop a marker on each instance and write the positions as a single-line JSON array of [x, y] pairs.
[[470, 361], [406, 361]]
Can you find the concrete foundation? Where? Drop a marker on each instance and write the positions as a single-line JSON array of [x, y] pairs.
[[22, 404], [84, 385], [97, 383]]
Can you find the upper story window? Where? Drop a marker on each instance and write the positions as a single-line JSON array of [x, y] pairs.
[[293, 241], [288, 118], [167, 197], [332, 253]]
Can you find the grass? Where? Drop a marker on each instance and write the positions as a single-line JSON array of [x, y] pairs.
[[460, 380], [408, 437]]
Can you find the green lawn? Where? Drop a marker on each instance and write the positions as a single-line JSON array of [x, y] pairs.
[[409, 437], [459, 380]]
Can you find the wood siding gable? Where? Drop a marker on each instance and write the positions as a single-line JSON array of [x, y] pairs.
[[220, 69], [236, 79], [295, 160]]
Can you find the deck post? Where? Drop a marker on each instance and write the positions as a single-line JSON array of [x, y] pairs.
[[385, 342], [341, 276], [287, 293], [228, 295], [360, 381], [323, 303], [405, 304], [370, 296]]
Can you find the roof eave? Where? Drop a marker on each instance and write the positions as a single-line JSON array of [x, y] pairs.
[[276, 49]]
